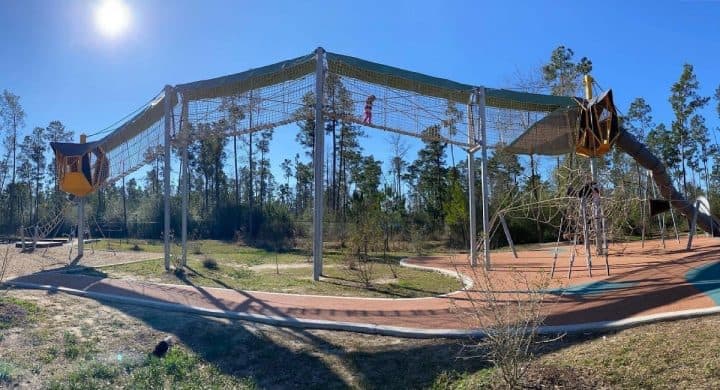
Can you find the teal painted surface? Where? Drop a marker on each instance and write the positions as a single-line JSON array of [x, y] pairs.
[[706, 279], [593, 288]]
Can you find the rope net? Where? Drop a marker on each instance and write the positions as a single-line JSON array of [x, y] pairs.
[[356, 91], [252, 110], [136, 152]]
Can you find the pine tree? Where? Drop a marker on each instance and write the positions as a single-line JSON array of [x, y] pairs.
[[33, 149], [56, 132], [430, 178], [685, 101], [12, 120], [562, 74]]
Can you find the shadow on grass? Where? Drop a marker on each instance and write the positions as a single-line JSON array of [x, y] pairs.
[[241, 350], [298, 358]]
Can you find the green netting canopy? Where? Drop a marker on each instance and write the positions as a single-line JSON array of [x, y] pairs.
[[372, 72], [551, 136]]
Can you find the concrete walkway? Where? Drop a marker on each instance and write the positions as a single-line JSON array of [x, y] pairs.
[[646, 284]]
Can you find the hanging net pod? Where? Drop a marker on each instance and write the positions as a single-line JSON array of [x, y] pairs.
[[598, 126], [81, 168], [589, 127]]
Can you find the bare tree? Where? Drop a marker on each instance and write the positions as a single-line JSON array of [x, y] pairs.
[[399, 151], [509, 311]]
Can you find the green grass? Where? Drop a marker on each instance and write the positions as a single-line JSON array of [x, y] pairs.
[[6, 372], [177, 370], [15, 312], [338, 279], [235, 270], [223, 354]]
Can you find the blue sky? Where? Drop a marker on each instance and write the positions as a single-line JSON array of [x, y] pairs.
[[53, 57]]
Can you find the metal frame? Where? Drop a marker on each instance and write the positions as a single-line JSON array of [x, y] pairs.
[[185, 185], [693, 225], [318, 159], [477, 141], [472, 139], [81, 227], [480, 99], [166, 173]]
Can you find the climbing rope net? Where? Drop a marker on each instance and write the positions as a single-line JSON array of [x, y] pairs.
[[403, 102]]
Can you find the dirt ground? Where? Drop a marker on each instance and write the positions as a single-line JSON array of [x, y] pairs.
[[274, 358], [46, 259]]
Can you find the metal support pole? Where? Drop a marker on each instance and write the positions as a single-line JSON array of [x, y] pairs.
[[185, 186], [586, 236], [672, 217], [471, 208], [484, 178], [507, 235], [660, 218], [557, 248], [693, 225], [573, 253], [35, 237], [166, 174], [319, 149], [81, 228], [596, 212], [643, 208], [472, 141]]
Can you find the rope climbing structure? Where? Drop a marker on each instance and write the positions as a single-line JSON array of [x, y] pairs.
[[324, 87]]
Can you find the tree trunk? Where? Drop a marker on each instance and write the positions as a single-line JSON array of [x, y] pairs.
[[682, 158], [13, 198], [707, 181], [335, 189], [342, 175], [37, 192], [237, 184], [124, 204]]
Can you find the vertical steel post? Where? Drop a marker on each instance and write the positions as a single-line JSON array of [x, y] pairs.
[[472, 140], [596, 212], [693, 225], [661, 219], [81, 216], [643, 208], [81, 227], [319, 149], [185, 185], [166, 174], [484, 178]]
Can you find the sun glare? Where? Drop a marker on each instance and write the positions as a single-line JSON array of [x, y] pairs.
[[112, 17]]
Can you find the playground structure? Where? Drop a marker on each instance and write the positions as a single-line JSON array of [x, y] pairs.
[[473, 118]]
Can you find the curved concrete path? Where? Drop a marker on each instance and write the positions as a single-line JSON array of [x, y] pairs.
[[646, 284]]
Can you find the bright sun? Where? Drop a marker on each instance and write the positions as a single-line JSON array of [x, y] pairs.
[[112, 17]]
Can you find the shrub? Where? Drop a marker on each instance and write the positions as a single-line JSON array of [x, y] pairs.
[[510, 314], [210, 263], [72, 348], [6, 371]]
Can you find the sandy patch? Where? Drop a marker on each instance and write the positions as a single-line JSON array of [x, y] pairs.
[[57, 257]]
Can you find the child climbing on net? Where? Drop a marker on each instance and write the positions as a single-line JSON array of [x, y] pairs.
[[368, 109]]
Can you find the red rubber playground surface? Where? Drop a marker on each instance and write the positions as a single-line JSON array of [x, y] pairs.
[[645, 284]]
